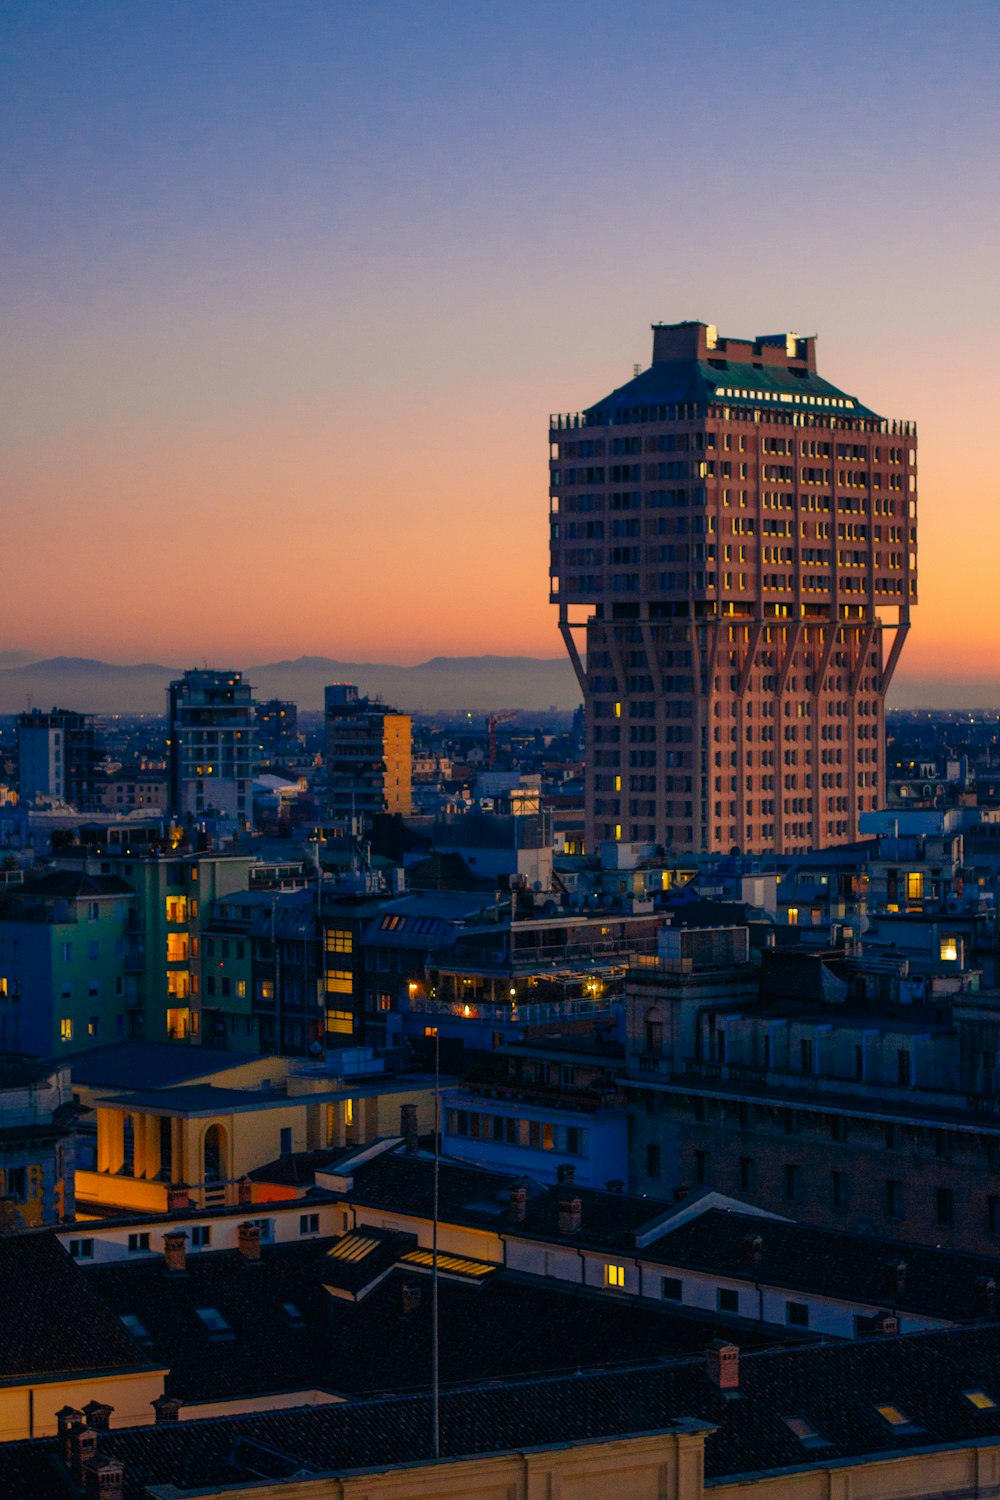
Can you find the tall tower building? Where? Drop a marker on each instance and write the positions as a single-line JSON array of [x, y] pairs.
[[368, 756], [734, 559], [211, 747]]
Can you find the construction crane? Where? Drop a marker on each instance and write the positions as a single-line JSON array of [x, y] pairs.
[[491, 725]]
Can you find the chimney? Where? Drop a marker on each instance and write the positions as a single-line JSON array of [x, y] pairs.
[[565, 1172], [408, 1128], [885, 1325], [895, 1271], [82, 1448], [248, 1242], [105, 1479], [986, 1296], [518, 1204], [244, 1191], [9, 1216], [175, 1252], [412, 1296], [166, 1409], [753, 1250], [570, 1215], [66, 1419], [98, 1415], [177, 1197], [722, 1365]]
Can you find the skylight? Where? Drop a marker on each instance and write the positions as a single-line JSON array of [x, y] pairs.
[[897, 1420], [980, 1400], [139, 1331], [806, 1432], [218, 1328]]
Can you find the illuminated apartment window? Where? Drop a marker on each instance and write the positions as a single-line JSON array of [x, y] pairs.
[[793, 916], [178, 984], [614, 1275], [914, 886], [177, 1024], [338, 941], [348, 1111], [177, 947], [339, 982], [66, 1029], [177, 909], [241, 988], [949, 948], [618, 710], [341, 1021], [267, 989]]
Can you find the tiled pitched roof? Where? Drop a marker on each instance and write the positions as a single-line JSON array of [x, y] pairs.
[[836, 1388], [936, 1283], [509, 1326], [51, 1319]]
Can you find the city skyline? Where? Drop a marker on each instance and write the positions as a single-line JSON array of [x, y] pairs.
[[280, 369]]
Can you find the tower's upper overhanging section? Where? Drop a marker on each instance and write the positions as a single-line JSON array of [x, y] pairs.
[[693, 365]]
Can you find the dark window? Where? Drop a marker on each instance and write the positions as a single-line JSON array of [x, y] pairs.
[[748, 1174], [838, 1189], [797, 1314], [993, 1214], [793, 1181], [902, 1066], [701, 1167], [944, 1207], [653, 1159], [671, 1289], [894, 1198], [727, 1300], [286, 1140]]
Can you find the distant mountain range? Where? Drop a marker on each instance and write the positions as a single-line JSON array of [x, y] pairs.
[[479, 684]]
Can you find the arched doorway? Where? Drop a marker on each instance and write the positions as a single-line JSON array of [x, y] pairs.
[[214, 1154]]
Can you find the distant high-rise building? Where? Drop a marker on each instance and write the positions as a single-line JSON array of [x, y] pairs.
[[58, 754], [277, 728], [211, 749], [368, 756], [734, 549]]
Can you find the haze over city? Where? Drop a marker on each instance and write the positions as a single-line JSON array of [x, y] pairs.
[[290, 294]]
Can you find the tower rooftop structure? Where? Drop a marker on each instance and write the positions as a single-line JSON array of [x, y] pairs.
[[734, 550]]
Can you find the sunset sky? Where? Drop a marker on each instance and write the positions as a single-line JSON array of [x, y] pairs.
[[289, 290]]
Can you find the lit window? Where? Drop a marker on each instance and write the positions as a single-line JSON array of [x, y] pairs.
[[914, 886], [618, 710], [980, 1400], [339, 982], [338, 941], [66, 1029], [898, 1420], [340, 1021], [949, 948], [793, 916], [614, 1275]]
